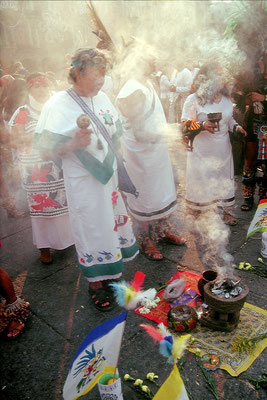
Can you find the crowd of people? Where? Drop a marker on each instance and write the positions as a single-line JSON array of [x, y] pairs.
[[98, 174]]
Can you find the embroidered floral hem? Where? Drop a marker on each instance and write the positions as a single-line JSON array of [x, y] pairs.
[[113, 268]]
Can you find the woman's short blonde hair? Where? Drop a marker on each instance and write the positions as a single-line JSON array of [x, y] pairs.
[[85, 58]]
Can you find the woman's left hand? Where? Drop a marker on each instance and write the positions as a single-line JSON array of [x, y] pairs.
[[241, 130]]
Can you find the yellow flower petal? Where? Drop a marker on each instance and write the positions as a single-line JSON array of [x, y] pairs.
[[145, 389]]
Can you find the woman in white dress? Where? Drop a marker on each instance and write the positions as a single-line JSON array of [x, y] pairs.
[[210, 171], [42, 180], [147, 159], [102, 232]]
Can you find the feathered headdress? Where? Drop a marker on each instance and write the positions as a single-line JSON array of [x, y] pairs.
[[105, 41]]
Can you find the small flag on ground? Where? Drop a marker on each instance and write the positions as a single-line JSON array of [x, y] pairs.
[[259, 222], [173, 388], [97, 355]]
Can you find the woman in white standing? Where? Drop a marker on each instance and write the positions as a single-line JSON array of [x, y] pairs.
[[210, 171], [102, 232], [147, 158], [43, 180], [180, 85]]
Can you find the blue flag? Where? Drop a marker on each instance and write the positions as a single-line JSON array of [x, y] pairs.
[[97, 355]]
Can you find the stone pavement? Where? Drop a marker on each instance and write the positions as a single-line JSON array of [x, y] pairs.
[[35, 366]]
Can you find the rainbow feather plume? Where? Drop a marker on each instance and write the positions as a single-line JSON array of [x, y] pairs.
[[153, 332], [165, 348], [138, 280], [120, 290], [179, 345], [169, 346], [128, 295]]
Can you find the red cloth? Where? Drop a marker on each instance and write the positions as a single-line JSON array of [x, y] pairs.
[[160, 313], [22, 117]]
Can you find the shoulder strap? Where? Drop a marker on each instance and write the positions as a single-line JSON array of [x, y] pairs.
[[125, 183], [101, 127]]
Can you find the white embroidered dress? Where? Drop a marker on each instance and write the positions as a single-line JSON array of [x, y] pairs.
[[102, 232], [44, 184], [148, 162], [210, 170]]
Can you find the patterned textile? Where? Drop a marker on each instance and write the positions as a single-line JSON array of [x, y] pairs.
[[44, 183], [160, 313], [253, 322], [259, 222], [261, 131], [42, 180]]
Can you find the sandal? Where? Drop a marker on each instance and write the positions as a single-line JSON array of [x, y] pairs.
[[15, 329], [45, 256], [228, 219], [16, 314], [150, 251], [173, 239], [102, 297], [248, 204]]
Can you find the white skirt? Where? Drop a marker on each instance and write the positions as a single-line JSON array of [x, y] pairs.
[[210, 173], [151, 171], [54, 233]]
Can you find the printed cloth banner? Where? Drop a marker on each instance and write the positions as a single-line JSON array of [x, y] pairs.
[[259, 222], [97, 355], [173, 388]]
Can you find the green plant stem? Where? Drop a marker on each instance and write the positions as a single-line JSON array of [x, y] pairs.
[[188, 390], [181, 364], [161, 287], [259, 383], [155, 383], [209, 380], [147, 395]]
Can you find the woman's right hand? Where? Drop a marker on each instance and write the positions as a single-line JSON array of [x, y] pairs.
[[82, 138], [209, 126]]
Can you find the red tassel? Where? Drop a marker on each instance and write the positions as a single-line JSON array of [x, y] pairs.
[[138, 281], [153, 332]]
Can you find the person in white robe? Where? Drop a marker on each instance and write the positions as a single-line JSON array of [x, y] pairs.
[[180, 85], [42, 180], [210, 171], [101, 228], [147, 159]]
